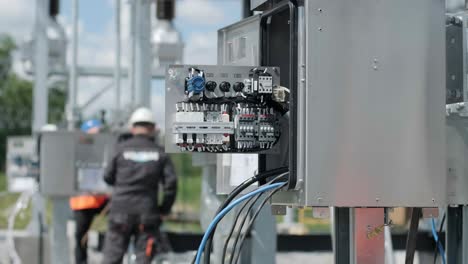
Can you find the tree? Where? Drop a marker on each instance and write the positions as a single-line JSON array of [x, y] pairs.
[[16, 99]]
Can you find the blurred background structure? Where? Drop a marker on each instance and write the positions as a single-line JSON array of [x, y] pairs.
[[65, 61]]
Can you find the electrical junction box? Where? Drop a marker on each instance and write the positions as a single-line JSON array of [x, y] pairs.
[[457, 112], [223, 109], [374, 111], [22, 168], [457, 153], [74, 162]]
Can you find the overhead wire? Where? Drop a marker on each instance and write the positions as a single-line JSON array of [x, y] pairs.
[[210, 230]]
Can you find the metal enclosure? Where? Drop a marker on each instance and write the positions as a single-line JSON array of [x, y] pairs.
[[457, 167], [375, 104], [72, 162], [457, 96], [21, 164], [239, 43], [234, 42], [456, 51]]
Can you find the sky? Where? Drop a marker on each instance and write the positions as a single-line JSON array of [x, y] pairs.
[[197, 20]]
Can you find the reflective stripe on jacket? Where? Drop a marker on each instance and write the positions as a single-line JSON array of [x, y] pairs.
[[88, 201]]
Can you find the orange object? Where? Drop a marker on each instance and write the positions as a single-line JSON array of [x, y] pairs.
[[149, 247], [83, 202]]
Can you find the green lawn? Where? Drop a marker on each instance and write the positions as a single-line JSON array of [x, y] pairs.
[[188, 199], [3, 182]]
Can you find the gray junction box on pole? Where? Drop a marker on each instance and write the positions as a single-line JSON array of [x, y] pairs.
[[73, 162]]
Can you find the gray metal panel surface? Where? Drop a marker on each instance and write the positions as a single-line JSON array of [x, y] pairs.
[[230, 37], [257, 4], [72, 162], [457, 167], [238, 44], [454, 6], [375, 103], [57, 164]]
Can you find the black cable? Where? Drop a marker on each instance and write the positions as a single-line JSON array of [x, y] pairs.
[[436, 250], [231, 197], [246, 216], [234, 224], [412, 237], [237, 253]]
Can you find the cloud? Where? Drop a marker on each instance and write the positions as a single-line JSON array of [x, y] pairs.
[[17, 17], [200, 12], [201, 48], [198, 21]]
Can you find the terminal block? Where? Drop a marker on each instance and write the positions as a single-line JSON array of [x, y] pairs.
[[225, 109]]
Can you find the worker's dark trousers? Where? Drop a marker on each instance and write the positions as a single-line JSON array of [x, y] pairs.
[[122, 227], [83, 220]]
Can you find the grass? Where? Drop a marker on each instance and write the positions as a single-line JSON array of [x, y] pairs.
[[187, 202], [188, 199], [3, 182], [7, 202]]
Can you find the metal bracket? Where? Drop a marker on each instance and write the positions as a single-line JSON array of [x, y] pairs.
[[321, 212], [430, 212], [278, 209], [203, 128]]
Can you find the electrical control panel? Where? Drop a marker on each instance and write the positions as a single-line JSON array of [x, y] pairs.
[[223, 109]]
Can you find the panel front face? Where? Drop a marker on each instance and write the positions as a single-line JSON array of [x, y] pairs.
[[57, 164], [73, 162], [375, 103], [223, 109], [457, 166]]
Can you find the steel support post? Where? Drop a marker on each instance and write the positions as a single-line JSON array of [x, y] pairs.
[[59, 238], [343, 233], [143, 56], [117, 68], [455, 234], [359, 236], [369, 235], [73, 75], [40, 100]]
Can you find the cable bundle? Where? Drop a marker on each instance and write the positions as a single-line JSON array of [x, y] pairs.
[[229, 204]]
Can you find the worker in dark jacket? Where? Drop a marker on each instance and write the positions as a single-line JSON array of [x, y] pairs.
[[136, 171]]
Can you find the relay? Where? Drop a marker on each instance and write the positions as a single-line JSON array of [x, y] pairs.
[[223, 109]]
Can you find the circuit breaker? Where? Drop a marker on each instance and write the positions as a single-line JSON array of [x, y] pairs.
[[223, 109]]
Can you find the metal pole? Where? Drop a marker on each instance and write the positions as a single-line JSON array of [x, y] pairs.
[[59, 239], [246, 8], [455, 234], [369, 240], [41, 56], [132, 52], [117, 61], [288, 219], [40, 100], [143, 53], [343, 233], [73, 77]]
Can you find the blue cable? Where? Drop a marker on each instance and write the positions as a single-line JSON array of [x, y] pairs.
[[228, 208], [436, 238]]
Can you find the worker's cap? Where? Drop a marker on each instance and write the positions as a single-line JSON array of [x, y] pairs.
[[142, 115], [90, 124]]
